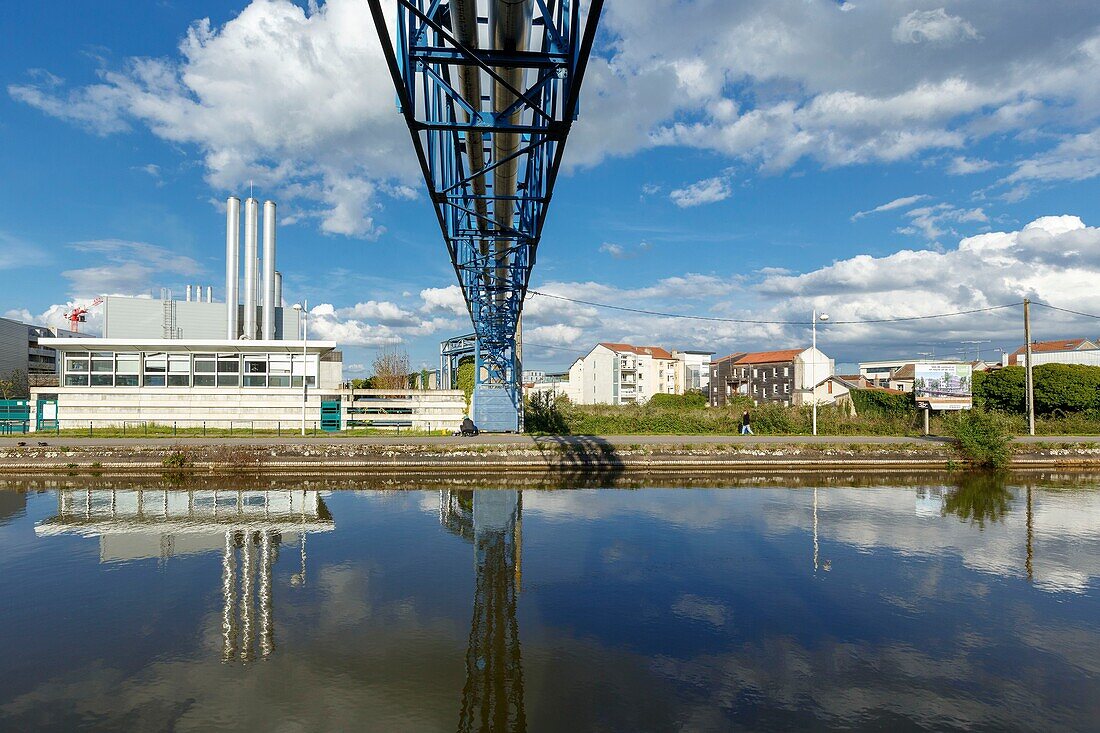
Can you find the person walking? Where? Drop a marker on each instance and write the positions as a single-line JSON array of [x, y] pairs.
[[746, 424]]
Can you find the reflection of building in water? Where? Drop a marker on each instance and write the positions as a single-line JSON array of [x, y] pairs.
[[247, 527], [492, 699], [929, 501]]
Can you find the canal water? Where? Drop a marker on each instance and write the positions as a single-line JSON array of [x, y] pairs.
[[923, 604]]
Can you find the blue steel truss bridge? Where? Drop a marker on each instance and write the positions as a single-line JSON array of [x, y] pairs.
[[489, 89]]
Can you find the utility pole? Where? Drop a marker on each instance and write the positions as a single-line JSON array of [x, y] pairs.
[[1030, 391]]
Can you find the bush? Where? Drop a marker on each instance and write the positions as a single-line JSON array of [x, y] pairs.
[[982, 438], [1002, 389], [1066, 388], [692, 400], [1059, 388], [878, 402]]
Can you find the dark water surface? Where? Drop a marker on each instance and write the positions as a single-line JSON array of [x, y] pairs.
[[966, 603]]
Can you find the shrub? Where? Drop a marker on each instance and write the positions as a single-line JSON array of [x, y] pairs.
[[981, 438], [1066, 388], [1002, 389], [693, 399], [879, 402]]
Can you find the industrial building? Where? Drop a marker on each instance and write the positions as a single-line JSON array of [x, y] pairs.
[[241, 363], [22, 350]]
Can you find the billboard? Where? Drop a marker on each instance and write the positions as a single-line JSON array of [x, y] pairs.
[[943, 385]]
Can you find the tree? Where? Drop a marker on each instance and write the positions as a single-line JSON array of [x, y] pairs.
[[391, 369], [15, 386], [423, 379], [361, 384], [464, 377]]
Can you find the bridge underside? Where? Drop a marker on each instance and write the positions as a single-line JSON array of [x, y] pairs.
[[490, 159]]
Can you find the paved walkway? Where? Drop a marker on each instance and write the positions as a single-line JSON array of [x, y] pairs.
[[508, 439]]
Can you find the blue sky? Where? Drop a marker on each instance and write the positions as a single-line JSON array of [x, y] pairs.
[[717, 170]]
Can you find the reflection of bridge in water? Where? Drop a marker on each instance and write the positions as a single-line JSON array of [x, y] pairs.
[[247, 527], [492, 698]]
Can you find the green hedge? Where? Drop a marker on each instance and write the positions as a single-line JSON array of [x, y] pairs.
[[878, 402], [1059, 389], [692, 400]]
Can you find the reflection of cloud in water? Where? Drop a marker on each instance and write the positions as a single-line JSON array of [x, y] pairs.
[[1066, 523], [696, 608]]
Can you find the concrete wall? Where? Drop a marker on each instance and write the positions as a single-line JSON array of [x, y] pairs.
[[441, 409], [13, 346], [186, 407], [1089, 357]]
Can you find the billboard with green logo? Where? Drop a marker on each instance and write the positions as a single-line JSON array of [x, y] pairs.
[[943, 385]]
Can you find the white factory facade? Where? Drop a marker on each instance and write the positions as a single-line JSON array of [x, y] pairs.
[[241, 363]]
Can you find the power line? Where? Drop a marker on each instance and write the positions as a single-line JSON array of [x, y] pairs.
[[555, 348], [643, 311], [1065, 310]]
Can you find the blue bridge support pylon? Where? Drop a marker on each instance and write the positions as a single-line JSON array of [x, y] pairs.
[[489, 89]]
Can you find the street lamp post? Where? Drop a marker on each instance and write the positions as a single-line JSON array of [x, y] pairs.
[[303, 312], [813, 389]]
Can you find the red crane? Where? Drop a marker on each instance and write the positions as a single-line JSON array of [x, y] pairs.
[[76, 315]]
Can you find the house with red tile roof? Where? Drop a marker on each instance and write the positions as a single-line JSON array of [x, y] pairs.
[[1058, 351], [624, 374], [787, 376]]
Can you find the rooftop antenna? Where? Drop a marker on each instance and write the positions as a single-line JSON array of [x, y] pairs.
[[977, 347]]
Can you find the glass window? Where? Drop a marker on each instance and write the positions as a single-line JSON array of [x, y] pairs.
[[156, 362], [205, 380], [228, 365], [127, 364], [76, 365], [179, 380], [103, 380], [76, 380], [278, 381], [204, 366], [179, 363], [254, 366], [103, 365], [102, 354], [126, 380], [154, 380], [228, 380], [255, 380]]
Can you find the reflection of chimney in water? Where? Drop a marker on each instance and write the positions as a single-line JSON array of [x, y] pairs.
[[247, 590], [229, 591], [267, 626]]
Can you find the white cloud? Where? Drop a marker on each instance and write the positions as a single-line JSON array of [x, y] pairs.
[[897, 203], [774, 83], [1053, 260], [129, 268], [934, 221], [963, 166], [933, 26], [444, 300], [706, 191], [297, 100], [1074, 159], [621, 252]]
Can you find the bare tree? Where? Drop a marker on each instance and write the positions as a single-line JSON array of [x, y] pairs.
[[391, 369]]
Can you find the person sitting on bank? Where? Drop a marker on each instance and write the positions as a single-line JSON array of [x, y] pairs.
[[746, 424], [468, 427]]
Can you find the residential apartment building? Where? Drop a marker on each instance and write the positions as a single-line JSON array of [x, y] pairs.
[[788, 376], [1061, 351], [692, 371], [622, 374]]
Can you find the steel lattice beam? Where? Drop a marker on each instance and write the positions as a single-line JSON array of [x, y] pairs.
[[426, 60]]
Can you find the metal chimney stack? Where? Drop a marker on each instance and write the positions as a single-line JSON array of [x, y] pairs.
[[269, 271], [232, 265], [209, 293], [251, 265], [188, 296]]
